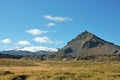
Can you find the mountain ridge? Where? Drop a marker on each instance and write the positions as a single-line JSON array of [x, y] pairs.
[[30, 50]]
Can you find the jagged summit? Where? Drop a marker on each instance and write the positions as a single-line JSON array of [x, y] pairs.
[[86, 43]]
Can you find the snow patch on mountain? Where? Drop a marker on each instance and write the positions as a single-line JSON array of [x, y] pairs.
[[37, 49]]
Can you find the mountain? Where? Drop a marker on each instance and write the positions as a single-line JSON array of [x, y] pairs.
[[86, 46], [87, 43], [32, 50]]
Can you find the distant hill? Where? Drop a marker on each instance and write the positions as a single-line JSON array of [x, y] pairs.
[[87, 44], [10, 56], [32, 52]]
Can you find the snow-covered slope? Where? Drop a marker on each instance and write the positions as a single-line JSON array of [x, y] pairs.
[[36, 49], [30, 50]]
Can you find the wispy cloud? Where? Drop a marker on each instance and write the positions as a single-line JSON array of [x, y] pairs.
[[57, 18], [57, 42], [24, 42], [51, 24], [36, 31], [45, 39], [6, 41]]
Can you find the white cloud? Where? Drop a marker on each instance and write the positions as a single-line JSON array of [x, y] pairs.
[[57, 18], [36, 31], [51, 24], [23, 43], [45, 39], [6, 41], [57, 42]]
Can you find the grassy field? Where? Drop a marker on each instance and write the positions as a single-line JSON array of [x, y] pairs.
[[11, 69]]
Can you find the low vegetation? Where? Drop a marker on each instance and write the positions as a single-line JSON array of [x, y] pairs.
[[12, 69]]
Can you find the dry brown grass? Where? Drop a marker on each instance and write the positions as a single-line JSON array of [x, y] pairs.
[[59, 70]]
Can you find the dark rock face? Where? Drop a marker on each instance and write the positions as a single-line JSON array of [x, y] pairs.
[[86, 43], [92, 43], [68, 50]]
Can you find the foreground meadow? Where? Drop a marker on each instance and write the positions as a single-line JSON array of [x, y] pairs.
[[11, 69]]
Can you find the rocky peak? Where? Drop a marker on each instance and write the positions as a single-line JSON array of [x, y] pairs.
[[87, 39], [84, 35]]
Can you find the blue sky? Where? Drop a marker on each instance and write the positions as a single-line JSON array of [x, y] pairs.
[[53, 23]]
